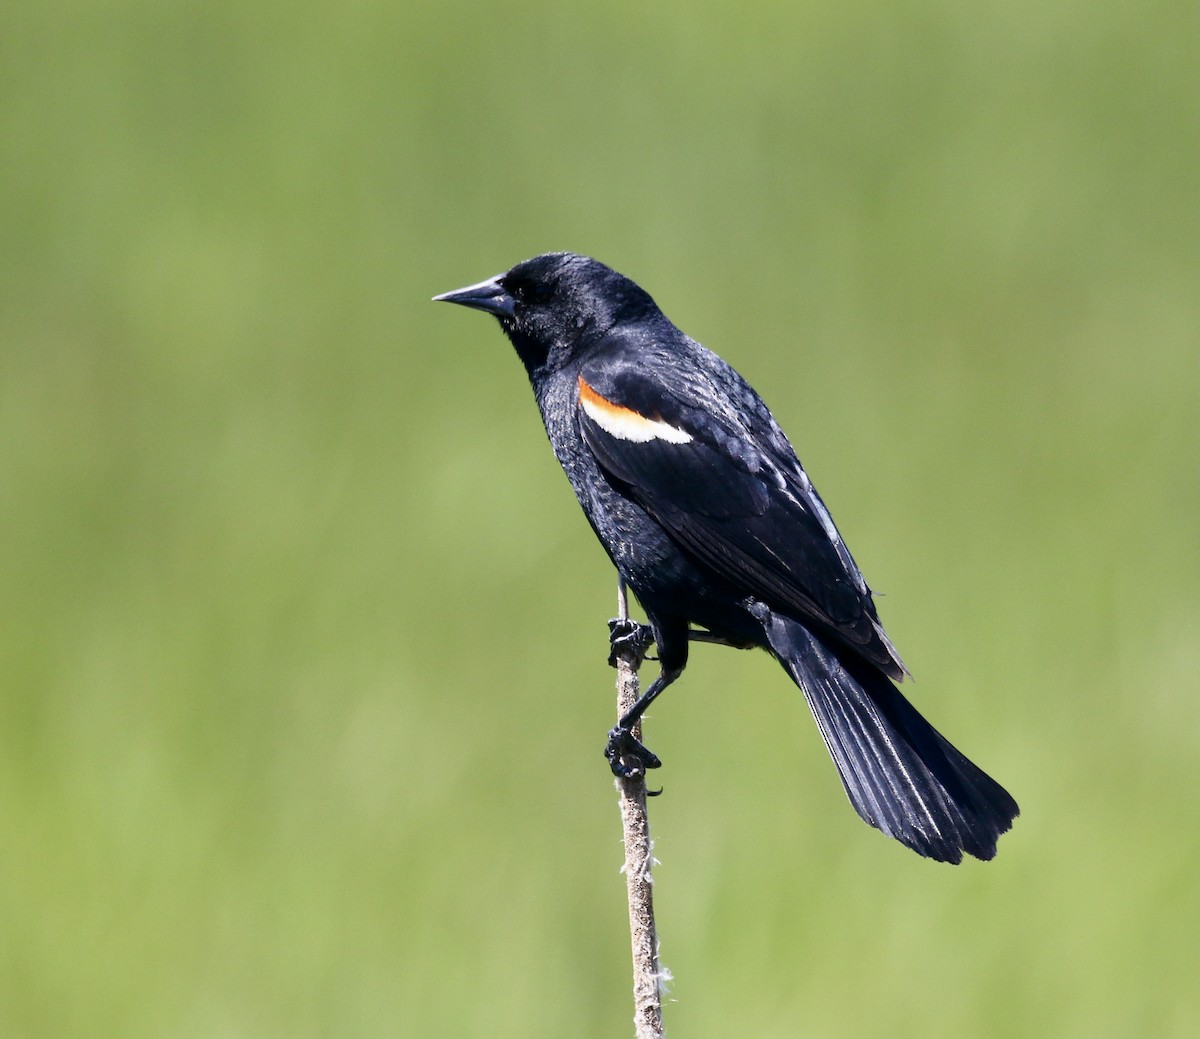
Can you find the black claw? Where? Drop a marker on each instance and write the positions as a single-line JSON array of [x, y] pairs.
[[627, 635], [627, 757]]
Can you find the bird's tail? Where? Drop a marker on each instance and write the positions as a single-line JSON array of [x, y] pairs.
[[901, 775]]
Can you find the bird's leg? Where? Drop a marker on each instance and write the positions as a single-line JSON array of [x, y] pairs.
[[624, 635], [626, 754]]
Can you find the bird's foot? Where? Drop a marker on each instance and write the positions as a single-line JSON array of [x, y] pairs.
[[628, 636], [627, 756]]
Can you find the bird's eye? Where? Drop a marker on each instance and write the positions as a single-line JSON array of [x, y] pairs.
[[531, 291]]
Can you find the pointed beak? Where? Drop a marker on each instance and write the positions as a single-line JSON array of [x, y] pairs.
[[489, 295]]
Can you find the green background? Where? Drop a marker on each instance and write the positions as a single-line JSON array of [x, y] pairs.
[[302, 635]]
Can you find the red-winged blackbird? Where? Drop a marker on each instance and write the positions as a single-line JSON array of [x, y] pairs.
[[700, 502]]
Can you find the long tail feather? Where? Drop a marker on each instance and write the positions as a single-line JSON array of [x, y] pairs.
[[901, 775]]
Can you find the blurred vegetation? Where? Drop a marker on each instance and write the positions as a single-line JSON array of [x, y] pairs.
[[302, 636]]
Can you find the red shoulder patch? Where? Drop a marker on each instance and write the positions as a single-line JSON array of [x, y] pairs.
[[625, 423]]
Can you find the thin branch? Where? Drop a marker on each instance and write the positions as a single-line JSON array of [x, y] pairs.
[[639, 858]]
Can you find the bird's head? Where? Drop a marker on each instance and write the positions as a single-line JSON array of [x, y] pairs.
[[547, 304]]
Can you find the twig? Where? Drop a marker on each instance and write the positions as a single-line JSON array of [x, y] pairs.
[[639, 858]]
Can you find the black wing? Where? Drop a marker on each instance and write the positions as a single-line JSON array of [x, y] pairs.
[[705, 458]]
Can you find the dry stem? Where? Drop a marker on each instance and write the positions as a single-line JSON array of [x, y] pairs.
[[639, 858]]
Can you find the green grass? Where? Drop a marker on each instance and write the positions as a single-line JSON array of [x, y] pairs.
[[302, 688]]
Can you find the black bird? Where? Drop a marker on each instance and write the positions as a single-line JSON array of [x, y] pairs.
[[704, 509]]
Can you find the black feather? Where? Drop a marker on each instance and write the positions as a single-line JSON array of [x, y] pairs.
[[899, 772], [712, 521]]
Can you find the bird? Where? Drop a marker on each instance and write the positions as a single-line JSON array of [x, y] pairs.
[[701, 503]]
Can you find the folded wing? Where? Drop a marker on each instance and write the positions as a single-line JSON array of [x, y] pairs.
[[732, 494]]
